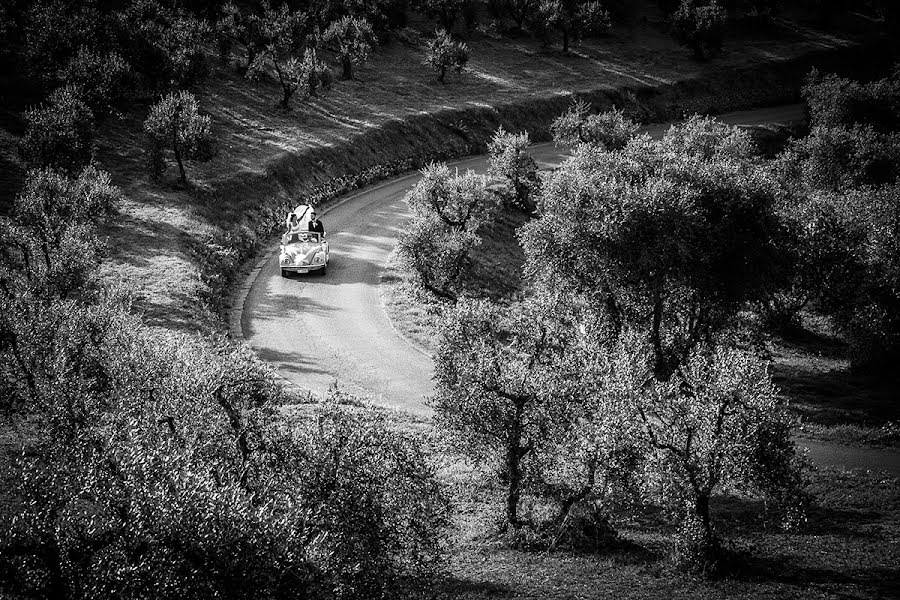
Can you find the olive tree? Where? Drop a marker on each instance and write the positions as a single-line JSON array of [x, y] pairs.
[[60, 133], [445, 12], [351, 39], [510, 162], [448, 210], [296, 66], [611, 130], [718, 425], [175, 123], [700, 27], [502, 387], [163, 44], [673, 244], [103, 80], [444, 53]]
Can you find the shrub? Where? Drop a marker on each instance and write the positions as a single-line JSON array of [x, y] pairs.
[[608, 130], [510, 162], [175, 123], [700, 27], [443, 53], [352, 39], [59, 134], [103, 80]]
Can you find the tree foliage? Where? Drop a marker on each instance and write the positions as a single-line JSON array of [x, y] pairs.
[[59, 133], [351, 39], [502, 384], [284, 50], [164, 44], [444, 12], [103, 81], [175, 124], [718, 425], [609, 130], [444, 53], [510, 162], [674, 244], [700, 27], [448, 211], [157, 463]]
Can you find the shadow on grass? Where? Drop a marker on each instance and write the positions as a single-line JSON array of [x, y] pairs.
[[859, 582]]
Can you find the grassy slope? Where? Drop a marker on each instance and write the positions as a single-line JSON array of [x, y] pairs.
[[396, 111]]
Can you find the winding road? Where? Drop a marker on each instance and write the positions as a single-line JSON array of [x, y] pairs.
[[318, 330]]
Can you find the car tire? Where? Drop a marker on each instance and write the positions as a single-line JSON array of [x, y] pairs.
[[284, 273], [323, 270]]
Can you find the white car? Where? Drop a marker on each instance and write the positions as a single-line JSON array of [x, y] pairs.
[[303, 252]]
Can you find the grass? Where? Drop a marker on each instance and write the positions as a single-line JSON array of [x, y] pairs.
[[847, 549]]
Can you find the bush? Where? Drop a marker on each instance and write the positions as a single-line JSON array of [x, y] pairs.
[[700, 27], [609, 130], [444, 53], [175, 123], [59, 134], [352, 39], [510, 162]]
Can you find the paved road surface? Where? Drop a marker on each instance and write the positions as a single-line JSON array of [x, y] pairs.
[[322, 329]]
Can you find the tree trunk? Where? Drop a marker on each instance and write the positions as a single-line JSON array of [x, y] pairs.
[[701, 506], [177, 152], [441, 74], [565, 33], [656, 335], [348, 67], [513, 464]]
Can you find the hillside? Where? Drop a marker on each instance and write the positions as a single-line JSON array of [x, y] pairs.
[[395, 116]]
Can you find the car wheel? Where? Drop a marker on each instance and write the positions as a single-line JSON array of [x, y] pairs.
[[284, 273], [323, 270]]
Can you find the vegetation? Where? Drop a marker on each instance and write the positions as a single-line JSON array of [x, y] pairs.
[[448, 211], [700, 27], [60, 133], [610, 130], [511, 163], [444, 53], [175, 124], [352, 39], [163, 458]]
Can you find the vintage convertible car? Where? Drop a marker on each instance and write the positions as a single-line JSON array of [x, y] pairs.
[[302, 252]]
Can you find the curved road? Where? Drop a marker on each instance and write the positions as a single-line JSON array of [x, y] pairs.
[[319, 330]]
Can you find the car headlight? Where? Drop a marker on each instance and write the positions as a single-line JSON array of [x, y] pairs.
[[319, 258]]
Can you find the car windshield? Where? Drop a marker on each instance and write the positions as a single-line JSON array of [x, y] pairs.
[[300, 238]]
